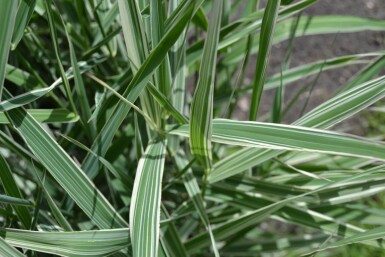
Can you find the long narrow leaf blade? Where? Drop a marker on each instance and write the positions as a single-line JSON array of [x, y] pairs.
[[177, 57], [7, 23], [266, 38], [137, 49], [145, 203], [78, 243], [47, 116], [202, 103], [288, 137], [25, 98]]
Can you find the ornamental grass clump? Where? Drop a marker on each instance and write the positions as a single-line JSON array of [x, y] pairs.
[[121, 133]]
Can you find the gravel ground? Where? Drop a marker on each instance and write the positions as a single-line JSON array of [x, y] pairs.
[[312, 48]]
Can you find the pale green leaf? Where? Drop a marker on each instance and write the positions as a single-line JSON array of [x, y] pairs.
[[7, 250]]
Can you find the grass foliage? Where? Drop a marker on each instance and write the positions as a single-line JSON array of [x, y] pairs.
[[120, 132]]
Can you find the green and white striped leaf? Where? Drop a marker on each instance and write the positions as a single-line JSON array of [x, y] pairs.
[[7, 23], [47, 116], [289, 137], [366, 74], [344, 105], [177, 57], [265, 41], [157, 20], [145, 202], [133, 32], [372, 234], [25, 98], [137, 49], [71, 244], [349, 191], [7, 250], [202, 103]]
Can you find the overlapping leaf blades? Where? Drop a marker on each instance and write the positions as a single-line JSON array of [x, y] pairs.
[[136, 85], [329, 113], [65, 170], [147, 55]]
